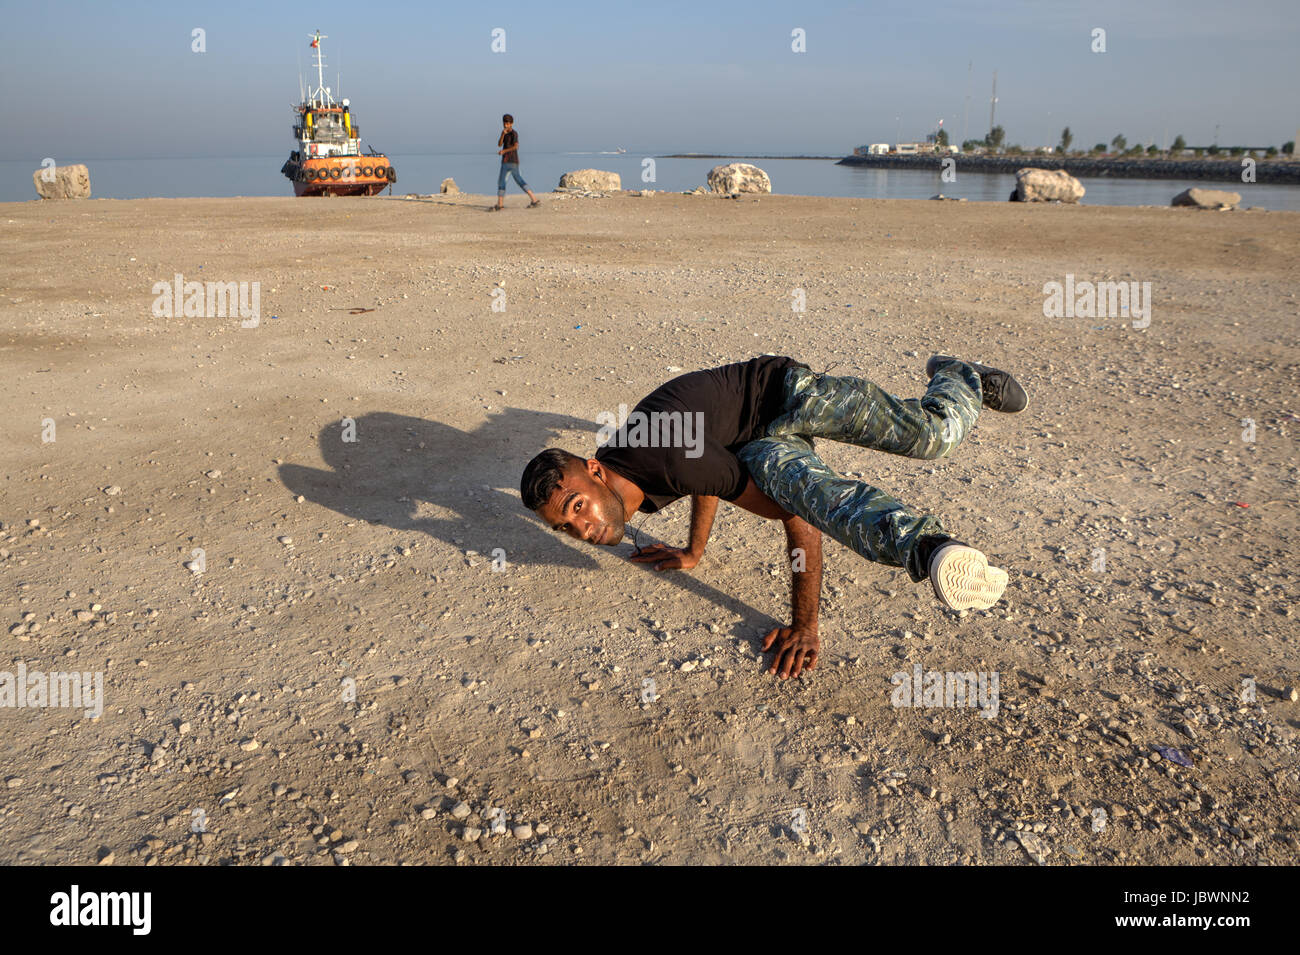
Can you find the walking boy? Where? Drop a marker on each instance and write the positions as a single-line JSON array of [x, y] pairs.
[[508, 142]]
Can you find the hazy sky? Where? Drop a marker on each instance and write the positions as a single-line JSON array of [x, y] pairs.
[[119, 79]]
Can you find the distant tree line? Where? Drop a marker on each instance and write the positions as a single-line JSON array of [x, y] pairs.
[[996, 138]]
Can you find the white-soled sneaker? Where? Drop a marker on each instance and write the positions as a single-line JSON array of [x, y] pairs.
[[963, 579]]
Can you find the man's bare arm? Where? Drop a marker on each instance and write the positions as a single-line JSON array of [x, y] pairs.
[[703, 509], [804, 547], [797, 645]]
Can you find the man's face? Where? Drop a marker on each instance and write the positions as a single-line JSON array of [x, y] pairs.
[[584, 507]]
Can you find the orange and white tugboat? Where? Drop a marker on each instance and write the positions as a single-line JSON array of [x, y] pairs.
[[328, 160]]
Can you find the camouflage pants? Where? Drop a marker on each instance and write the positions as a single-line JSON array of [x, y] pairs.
[[785, 467]]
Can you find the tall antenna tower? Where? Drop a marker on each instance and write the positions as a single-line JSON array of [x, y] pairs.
[[965, 122], [993, 102]]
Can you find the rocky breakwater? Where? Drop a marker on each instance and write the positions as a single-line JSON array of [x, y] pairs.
[[1220, 170]]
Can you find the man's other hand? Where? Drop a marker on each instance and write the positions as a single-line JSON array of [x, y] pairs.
[[666, 558], [796, 650]]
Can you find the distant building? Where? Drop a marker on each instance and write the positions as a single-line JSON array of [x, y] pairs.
[[903, 149], [912, 149]]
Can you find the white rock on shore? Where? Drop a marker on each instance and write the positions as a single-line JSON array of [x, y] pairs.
[[1207, 199], [69, 182], [592, 180], [738, 177], [1047, 185]]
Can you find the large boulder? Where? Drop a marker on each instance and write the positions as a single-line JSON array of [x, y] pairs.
[[738, 177], [591, 180], [1046, 185], [62, 182], [449, 187], [1207, 199]]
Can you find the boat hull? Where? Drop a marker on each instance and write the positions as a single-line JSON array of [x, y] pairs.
[[340, 175]]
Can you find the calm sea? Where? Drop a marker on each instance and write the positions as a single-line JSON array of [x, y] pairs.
[[477, 173]]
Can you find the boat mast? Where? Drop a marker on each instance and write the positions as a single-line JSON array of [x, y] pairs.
[[319, 96]]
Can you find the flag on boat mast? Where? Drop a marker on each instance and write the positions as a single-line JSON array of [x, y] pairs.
[[315, 43]]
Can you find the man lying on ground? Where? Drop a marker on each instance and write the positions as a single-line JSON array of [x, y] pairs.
[[744, 433]]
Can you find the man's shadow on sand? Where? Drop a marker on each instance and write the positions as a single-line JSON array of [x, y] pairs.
[[397, 463]]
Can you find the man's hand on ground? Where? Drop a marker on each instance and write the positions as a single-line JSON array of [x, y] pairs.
[[796, 650], [667, 558]]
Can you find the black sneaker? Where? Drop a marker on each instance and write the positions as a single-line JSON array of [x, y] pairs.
[[1001, 392]]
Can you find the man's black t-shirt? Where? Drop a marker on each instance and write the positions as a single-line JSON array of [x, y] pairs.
[[682, 438], [510, 143]]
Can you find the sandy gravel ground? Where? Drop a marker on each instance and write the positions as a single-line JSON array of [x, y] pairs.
[[512, 679]]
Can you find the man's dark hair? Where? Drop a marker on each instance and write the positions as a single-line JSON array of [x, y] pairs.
[[543, 475], [507, 118]]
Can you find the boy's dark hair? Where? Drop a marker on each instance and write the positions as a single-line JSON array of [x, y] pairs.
[[507, 118], [543, 475]]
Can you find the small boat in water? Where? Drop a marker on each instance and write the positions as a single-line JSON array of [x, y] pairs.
[[328, 160]]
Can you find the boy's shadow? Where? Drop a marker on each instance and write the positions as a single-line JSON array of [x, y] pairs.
[[397, 465]]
